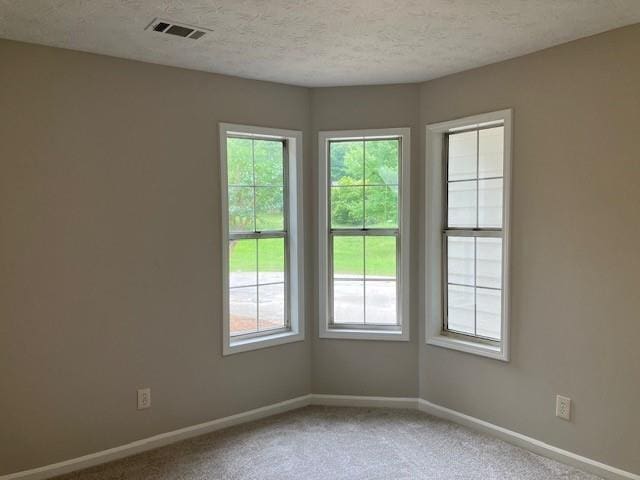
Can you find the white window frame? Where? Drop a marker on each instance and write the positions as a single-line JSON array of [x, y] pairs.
[[434, 150], [295, 259], [402, 332]]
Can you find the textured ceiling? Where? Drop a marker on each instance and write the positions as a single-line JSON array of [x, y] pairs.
[[317, 42]]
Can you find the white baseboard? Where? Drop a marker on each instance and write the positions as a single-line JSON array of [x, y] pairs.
[[362, 401], [156, 441], [606, 471], [528, 443]]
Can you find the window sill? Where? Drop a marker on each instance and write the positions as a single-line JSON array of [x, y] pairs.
[[469, 346], [355, 334], [256, 343]]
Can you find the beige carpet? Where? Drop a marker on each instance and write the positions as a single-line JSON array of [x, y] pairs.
[[329, 443]]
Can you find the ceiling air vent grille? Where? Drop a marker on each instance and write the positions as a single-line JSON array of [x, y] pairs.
[[169, 27]]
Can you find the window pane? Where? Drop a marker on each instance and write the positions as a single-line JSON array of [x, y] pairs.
[[271, 260], [239, 161], [475, 201], [381, 207], [268, 155], [488, 313], [348, 257], [380, 306], [381, 162], [461, 204], [269, 208], [242, 263], [272, 304], [491, 155], [347, 207], [380, 261], [241, 218], [460, 302], [489, 262], [348, 301], [243, 310], [490, 203], [347, 162], [460, 260], [463, 158]]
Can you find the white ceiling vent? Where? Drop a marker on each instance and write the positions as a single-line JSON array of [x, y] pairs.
[[169, 27]]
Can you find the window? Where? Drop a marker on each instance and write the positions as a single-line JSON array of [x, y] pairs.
[[474, 173], [364, 225], [262, 225]]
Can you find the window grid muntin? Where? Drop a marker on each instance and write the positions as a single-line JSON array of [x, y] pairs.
[[363, 232], [476, 232], [267, 234]]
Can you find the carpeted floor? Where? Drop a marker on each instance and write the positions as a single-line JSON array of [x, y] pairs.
[[320, 443]]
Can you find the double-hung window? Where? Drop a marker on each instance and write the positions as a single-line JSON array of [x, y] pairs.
[[474, 171], [262, 232], [364, 230]]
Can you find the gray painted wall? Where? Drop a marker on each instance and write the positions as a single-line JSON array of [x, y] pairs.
[[361, 367], [575, 259], [109, 252]]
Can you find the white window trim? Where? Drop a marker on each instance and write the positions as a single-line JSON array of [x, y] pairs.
[[402, 334], [433, 235], [296, 241]]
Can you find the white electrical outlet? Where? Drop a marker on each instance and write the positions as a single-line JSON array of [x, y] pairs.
[[144, 398], [563, 407]]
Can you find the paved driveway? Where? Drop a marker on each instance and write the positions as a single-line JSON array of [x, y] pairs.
[[349, 301]]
